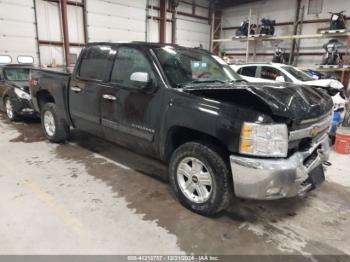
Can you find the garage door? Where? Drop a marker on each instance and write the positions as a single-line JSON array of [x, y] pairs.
[[17, 29], [116, 20]]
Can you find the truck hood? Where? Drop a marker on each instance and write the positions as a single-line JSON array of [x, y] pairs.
[[295, 102]]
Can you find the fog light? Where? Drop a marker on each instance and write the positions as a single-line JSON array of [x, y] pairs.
[[27, 110]]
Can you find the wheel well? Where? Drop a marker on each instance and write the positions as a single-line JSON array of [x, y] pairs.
[[178, 136], [4, 98], [44, 97]]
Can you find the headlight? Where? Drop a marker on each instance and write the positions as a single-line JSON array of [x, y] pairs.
[[268, 140], [336, 84], [21, 94]]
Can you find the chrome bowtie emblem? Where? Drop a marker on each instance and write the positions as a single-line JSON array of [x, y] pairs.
[[315, 131]]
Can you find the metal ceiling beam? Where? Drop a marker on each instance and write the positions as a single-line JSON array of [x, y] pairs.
[[230, 3], [68, 2]]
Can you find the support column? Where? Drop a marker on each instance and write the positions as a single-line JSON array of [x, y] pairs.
[[86, 37], [162, 21], [216, 24], [65, 31]]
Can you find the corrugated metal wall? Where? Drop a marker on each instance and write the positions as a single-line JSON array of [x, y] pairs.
[[193, 32], [49, 30], [190, 31], [116, 20], [107, 20]]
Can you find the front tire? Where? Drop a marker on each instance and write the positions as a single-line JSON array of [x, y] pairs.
[[9, 110], [200, 178], [54, 128]]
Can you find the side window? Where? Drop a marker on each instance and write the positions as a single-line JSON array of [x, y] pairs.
[[129, 61], [270, 73], [94, 63], [248, 71]]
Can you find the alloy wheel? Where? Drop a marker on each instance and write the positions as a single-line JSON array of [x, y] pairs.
[[9, 109], [195, 180], [49, 123]]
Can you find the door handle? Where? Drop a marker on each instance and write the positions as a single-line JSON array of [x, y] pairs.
[[75, 89], [109, 97]]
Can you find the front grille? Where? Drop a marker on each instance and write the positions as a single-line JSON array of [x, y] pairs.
[[301, 139], [311, 130], [309, 122]]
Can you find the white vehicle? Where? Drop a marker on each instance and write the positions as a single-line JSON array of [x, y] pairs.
[[273, 72]]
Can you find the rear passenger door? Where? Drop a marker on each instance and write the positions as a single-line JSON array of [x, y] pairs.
[[85, 88]]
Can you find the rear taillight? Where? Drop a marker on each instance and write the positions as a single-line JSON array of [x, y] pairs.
[[33, 82]]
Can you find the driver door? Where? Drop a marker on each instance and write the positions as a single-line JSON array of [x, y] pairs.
[[129, 111]]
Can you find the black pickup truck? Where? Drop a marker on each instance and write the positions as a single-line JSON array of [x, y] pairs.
[[219, 135]]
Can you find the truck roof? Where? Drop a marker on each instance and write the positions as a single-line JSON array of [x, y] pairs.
[[131, 43], [17, 66], [145, 44]]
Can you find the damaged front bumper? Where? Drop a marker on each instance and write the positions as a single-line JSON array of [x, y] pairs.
[[22, 106], [264, 179]]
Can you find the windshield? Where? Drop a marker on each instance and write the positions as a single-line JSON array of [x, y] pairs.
[[189, 66], [297, 73], [17, 74]]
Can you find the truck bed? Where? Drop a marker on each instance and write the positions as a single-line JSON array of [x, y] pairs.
[[51, 84]]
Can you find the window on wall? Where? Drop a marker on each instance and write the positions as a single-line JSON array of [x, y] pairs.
[[315, 7], [5, 59]]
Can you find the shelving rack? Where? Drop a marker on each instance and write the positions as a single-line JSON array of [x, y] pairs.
[[285, 37], [345, 71]]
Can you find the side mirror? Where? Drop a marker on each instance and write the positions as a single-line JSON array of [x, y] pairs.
[[140, 79], [280, 79]]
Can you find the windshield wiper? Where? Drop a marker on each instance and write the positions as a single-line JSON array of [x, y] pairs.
[[201, 82]]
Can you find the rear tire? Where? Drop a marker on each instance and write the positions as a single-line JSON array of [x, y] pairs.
[[11, 114], [200, 178], [55, 129]]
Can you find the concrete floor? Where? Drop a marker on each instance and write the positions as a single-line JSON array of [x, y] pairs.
[[91, 197]]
